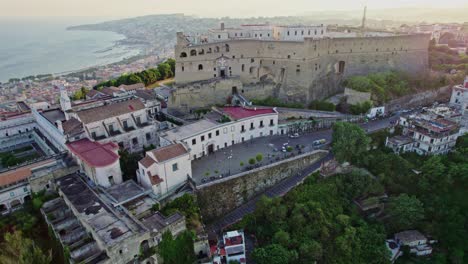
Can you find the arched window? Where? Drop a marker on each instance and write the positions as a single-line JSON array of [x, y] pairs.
[[227, 47], [201, 52], [200, 67], [209, 50], [216, 49], [193, 52], [183, 55]]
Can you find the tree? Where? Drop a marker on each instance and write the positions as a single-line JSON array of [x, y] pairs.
[[349, 141], [18, 249], [165, 70], [259, 157], [172, 63], [129, 164], [405, 211], [177, 251], [273, 254]]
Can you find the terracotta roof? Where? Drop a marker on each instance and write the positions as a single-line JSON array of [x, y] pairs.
[[169, 152], [93, 153], [147, 161], [111, 110], [155, 179], [132, 86], [237, 112], [110, 90], [20, 174], [72, 126], [14, 176]]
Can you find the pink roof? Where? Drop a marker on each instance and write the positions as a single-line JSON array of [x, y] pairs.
[[238, 112], [93, 153]]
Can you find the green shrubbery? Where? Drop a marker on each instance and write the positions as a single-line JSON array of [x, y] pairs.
[[163, 71], [321, 105]]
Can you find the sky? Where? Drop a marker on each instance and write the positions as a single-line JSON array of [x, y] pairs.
[[203, 8]]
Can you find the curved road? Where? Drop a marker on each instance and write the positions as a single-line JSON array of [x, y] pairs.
[[287, 184]]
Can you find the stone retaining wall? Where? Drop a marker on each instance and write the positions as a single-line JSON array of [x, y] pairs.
[[220, 197]]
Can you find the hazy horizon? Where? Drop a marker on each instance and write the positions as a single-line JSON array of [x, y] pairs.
[[205, 8]]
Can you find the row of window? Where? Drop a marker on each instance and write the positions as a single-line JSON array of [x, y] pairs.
[[225, 130], [302, 32]]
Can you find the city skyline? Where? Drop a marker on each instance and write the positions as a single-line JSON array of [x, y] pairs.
[[205, 8]]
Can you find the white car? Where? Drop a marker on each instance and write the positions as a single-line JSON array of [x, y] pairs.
[[295, 135]]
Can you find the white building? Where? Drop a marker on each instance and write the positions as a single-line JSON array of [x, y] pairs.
[[234, 244], [100, 162], [459, 99], [165, 169], [222, 128], [426, 133], [262, 32], [416, 241]]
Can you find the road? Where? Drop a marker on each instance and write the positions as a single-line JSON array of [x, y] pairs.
[[286, 185]]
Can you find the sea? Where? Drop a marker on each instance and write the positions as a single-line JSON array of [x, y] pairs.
[[32, 46]]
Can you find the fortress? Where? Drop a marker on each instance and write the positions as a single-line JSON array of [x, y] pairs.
[[294, 63]]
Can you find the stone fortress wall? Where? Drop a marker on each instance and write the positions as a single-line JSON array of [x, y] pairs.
[[298, 71]]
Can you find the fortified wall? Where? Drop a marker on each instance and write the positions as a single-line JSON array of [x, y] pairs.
[[220, 197], [299, 71]]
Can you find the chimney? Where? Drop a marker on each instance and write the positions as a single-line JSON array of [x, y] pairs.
[[59, 125], [222, 25]]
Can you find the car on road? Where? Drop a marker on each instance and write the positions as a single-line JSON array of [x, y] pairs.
[[319, 142], [295, 135]]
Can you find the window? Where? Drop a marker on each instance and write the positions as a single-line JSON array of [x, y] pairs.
[[175, 167], [138, 120], [12, 194], [183, 68], [148, 136], [243, 68], [261, 123], [252, 126], [93, 135], [252, 60], [217, 132], [135, 141], [242, 128], [202, 138], [209, 135], [111, 127], [271, 122], [111, 180], [233, 128], [200, 67], [225, 130], [25, 189], [125, 124], [194, 141]]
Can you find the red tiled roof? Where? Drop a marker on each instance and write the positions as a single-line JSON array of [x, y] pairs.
[[94, 153], [169, 152], [238, 112], [155, 179], [19, 174], [147, 161]]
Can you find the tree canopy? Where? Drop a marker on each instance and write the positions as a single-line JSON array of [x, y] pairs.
[[349, 141], [17, 249]]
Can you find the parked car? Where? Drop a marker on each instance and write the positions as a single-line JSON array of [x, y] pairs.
[[319, 142], [295, 135]]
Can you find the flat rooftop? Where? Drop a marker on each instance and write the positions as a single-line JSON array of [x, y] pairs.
[[191, 129], [111, 227], [157, 221], [53, 115], [126, 191]]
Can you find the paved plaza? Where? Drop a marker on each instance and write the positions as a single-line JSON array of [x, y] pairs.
[[227, 161]]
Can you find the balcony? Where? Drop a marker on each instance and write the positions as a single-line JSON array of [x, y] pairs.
[[243, 130], [252, 128], [129, 128], [261, 126], [99, 137], [114, 132]]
